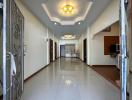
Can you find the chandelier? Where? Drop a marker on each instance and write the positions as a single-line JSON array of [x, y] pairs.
[[68, 9]]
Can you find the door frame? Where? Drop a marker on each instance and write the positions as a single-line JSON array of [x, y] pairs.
[[60, 50]]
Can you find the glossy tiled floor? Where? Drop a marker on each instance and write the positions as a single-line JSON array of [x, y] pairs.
[[69, 79]]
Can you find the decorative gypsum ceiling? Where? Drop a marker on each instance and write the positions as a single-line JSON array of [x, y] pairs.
[[35, 6], [57, 13]]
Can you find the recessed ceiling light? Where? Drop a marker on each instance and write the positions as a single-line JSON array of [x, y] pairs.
[[55, 23], [79, 23]]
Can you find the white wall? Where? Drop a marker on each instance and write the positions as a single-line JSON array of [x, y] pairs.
[[87, 36], [109, 16], [57, 41], [52, 36], [97, 47], [83, 36], [95, 42], [35, 41], [80, 48]]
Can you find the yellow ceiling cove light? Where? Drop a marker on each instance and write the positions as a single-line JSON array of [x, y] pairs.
[[68, 8]]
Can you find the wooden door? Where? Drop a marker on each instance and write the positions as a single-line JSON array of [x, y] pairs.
[[51, 50], [55, 50], [85, 50]]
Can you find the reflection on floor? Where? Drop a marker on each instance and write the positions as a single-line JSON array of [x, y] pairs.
[[69, 79], [111, 73]]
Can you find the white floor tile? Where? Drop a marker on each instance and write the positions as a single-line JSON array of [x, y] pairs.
[[68, 79]]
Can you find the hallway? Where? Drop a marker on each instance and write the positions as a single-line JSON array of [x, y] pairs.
[[69, 79], [65, 49]]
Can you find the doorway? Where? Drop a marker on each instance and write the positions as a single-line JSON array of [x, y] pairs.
[[55, 50], [85, 50], [51, 49], [62, 50]]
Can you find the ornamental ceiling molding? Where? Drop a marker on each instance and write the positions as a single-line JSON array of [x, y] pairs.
[[70, 22]]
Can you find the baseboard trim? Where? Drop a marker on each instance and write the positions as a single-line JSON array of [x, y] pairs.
[[55, 59], [27, 79], [81, 59], [68, 57], [103, 65]]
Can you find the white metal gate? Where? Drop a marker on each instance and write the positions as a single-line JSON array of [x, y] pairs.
[[13, 26]]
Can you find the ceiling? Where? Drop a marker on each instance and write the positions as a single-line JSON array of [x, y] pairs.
[[55, 11], [86, 15]]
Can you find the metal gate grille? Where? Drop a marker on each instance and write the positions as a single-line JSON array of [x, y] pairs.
[[13, 26], [16, 24]]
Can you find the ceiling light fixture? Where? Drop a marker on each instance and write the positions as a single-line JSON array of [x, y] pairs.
[[79, 23], [68, 37], [68, 8], [55, 23]]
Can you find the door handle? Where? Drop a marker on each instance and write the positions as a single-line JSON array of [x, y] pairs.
[[13, 64]]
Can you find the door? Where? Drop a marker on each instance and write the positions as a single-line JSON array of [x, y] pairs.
[[13, 26], [62, 50], [5, 37], [55, 50], [85, 50], [16, 48], [51, 50]]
